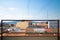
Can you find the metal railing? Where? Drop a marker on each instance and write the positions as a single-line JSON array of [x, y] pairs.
[[57, 29]]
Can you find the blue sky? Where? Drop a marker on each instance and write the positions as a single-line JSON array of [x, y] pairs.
[[29, 9]]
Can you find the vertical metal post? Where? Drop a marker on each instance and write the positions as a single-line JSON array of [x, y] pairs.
[[58, 29], [1, 29]]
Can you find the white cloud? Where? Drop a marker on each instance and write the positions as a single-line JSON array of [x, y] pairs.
[[16, 13], [13, 13], [11, 9]]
